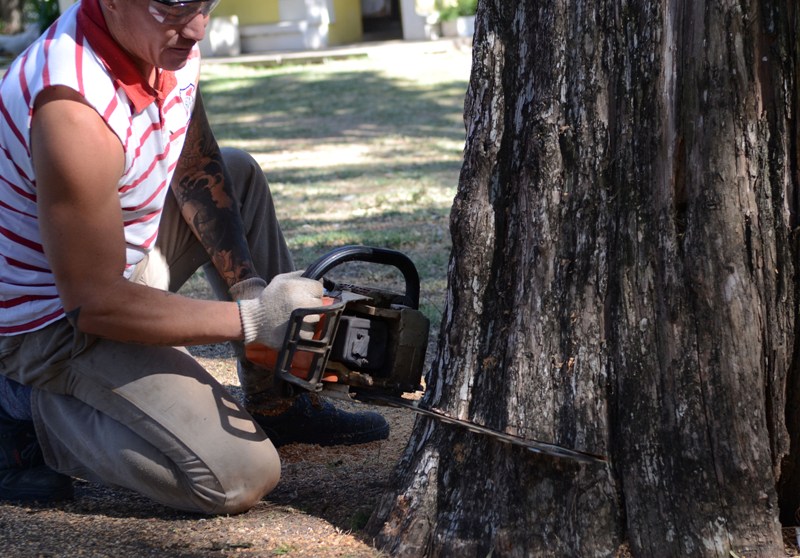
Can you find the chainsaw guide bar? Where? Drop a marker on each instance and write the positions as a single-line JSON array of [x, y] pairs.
[[368, 345], [535, 446]]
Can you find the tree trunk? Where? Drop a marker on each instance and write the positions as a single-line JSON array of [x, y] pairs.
[[623, 282]]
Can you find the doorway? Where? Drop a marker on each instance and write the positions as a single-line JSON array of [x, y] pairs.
[[381, 20]]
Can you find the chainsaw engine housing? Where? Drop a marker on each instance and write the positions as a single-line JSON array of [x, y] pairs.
[[380, 347], [366, 340]]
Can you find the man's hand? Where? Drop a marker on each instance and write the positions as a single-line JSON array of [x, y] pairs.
[[249, 288], [265, 319]]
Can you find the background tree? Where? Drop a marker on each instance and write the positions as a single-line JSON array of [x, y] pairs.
[[623, 281], [47, 11], [10, 16], [14, 14]]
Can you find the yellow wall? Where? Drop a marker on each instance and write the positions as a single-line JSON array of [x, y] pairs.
[[347, 27], [250, 12]]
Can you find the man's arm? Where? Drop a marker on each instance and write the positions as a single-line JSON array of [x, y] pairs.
[[78, 163], [202, 186]]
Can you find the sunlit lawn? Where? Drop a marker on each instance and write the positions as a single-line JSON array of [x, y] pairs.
[[357, 151]]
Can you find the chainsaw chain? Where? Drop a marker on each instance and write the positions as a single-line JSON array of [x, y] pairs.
[[534, 446]]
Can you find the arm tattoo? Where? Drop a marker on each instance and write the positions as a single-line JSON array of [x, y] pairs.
[[202, 188]]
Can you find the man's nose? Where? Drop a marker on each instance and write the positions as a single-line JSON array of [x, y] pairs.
[[196, 28]]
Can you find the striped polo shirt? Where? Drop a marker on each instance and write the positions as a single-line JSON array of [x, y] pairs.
[[78, 52]]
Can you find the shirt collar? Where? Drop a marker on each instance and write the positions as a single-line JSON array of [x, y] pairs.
[[125, 73]]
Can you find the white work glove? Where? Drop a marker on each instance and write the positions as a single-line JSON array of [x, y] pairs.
[[249, 288], [266, 318]]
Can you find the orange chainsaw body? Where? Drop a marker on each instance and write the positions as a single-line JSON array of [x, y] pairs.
[[368, 339]]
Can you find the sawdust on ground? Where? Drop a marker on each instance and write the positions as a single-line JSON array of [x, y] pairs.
[[318, 510]]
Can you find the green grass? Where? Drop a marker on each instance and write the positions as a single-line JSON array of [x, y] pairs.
[[357, 151], [283, 550]]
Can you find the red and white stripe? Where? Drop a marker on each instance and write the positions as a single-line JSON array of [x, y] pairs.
[[152, 141]]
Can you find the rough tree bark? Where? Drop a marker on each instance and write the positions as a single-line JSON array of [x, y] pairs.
[[623, 282]]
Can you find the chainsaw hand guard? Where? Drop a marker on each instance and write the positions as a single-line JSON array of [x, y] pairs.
[[301, 360]]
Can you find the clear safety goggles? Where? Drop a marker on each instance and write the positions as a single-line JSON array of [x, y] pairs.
[[180, 13]]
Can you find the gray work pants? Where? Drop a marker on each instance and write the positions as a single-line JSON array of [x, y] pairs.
[[148, 418]]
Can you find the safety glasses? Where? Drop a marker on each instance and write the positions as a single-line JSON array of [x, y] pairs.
[[180, 13]]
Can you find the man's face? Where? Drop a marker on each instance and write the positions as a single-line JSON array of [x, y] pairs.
[[152, 32]]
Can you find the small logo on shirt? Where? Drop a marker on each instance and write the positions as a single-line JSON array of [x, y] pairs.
[[187, 95]]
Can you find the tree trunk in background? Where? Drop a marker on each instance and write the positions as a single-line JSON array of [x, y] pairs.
[[622, 282], [10, 16]]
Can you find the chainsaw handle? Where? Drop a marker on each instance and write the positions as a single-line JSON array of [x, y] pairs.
[[383, 256]]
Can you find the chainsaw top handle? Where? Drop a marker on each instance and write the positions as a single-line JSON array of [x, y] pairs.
[[382, 256]]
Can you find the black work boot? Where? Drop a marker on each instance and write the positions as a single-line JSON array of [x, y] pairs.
[[23, 474], [310, 420]]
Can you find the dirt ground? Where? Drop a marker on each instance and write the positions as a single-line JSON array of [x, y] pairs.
[[319, 508]]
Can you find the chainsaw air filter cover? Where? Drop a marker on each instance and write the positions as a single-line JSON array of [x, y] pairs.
[[361, 343]]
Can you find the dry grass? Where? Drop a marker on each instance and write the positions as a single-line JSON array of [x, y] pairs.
[[359, 151]]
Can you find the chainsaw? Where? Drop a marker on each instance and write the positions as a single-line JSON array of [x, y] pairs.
[[368, 345]]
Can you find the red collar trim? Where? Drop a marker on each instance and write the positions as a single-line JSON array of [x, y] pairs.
[[118, 62]]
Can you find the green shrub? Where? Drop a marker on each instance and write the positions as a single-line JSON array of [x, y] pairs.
[[451, 9], [44, 12]]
